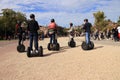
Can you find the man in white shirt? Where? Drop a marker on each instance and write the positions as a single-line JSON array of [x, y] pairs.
[[71, 31], [118, 28]]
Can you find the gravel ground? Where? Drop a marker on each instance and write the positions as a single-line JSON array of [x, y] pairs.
[[101, 63]]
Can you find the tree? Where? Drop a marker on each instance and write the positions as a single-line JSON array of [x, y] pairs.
[[9, 20], [1, 28], [118, 22], [100, 21]]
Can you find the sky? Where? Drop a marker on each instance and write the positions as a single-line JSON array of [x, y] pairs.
[[64, 11]]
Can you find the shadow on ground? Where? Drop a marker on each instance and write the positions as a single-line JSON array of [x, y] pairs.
[[98, 47], [62, 49]]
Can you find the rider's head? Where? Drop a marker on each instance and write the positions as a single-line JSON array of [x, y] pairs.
[[85, 20], [52, 20], [71, 24], [32, 16]]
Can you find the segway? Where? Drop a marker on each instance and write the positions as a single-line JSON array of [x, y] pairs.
[[86, 46], [54, 46], [34, 53], [21, 47], [72, 43]]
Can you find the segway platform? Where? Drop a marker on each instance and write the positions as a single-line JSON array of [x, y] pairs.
[[40, 52]]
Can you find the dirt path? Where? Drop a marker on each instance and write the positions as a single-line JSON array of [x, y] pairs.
[[101, 63]]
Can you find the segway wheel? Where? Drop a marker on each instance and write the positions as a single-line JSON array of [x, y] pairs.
[[84, 46], [87, 46], [21, 48], [50, 46], [71, 44], [91, 45], [28, 52], [56, 47], [40, 51]]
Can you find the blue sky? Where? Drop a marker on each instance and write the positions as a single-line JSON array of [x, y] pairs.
[[64, 11]]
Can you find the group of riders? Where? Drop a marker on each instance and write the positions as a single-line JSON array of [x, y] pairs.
[[33, 27], [107, 34]]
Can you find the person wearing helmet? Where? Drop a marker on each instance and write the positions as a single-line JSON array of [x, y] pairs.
[[32, 28], [87, 27], [52, 29], [118, 28], [71, 31], [19, 33]]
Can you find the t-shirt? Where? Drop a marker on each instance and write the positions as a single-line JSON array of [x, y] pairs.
[[33, 26], [71, 29], [52, 25], [16, 28], [87, 27], [118, 28]]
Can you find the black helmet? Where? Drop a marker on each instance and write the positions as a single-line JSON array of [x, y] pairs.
[[52, 20], [86, 20], [71, 24], [32, 16]]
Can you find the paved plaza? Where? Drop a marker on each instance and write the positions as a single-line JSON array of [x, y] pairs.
[[101, 63]]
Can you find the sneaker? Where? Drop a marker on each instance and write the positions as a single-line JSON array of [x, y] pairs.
[[36, 51], [31, 51]]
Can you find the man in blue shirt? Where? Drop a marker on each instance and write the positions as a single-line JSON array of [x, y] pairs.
[[87, 27], [33, 27]]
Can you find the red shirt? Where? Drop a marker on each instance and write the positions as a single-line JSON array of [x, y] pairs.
[[16, 27], [52, 25]]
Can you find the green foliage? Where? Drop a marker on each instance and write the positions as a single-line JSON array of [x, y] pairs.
[[79, 30], [61, 31], [1, 23], [100, 21], [118, 22], [9, 20]]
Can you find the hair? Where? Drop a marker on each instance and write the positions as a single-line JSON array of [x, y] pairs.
[[32, 16], [86, 20], [71, 24], [52, 20]]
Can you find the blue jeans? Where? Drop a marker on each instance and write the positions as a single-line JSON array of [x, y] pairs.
[[34, 36], [52, 38], [87, 37]]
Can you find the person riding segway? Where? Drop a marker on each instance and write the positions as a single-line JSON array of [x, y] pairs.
[[32, 28], [71, 31], [52, 32], [22, 37], [87, 44]]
